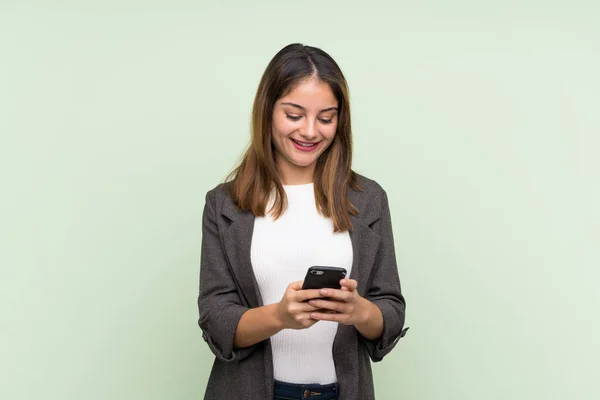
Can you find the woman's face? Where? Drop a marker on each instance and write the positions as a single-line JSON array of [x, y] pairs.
[[304, 125]]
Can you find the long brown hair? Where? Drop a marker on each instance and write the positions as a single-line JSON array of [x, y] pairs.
[[256, 176]]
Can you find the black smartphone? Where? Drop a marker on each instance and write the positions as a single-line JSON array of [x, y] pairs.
[[318, 277]]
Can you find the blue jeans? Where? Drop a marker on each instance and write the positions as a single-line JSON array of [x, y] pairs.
[[296, 391]]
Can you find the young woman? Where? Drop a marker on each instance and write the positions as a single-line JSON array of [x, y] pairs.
[[292, 203]]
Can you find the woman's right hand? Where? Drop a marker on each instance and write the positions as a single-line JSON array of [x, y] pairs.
[[293, 311]]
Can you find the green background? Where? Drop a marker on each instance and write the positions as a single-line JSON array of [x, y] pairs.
[[479, 118]]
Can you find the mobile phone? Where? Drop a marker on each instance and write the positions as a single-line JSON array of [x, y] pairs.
[[321, 277]]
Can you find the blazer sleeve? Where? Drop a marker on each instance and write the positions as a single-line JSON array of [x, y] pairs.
[[384, 289], [219, 304]]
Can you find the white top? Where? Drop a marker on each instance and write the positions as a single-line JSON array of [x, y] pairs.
[[281, 253]]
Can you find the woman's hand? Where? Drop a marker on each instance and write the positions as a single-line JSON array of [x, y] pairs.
[[293, 312], [347, 307], [343, 305]]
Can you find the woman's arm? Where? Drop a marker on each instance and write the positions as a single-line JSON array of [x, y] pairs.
[[372, 326], [292, 312], [381, 329], [256, 325], [219, 304]]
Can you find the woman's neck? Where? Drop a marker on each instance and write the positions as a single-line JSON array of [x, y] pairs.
[[294, 175]]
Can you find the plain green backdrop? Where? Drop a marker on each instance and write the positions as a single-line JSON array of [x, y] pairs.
[[480, 119]]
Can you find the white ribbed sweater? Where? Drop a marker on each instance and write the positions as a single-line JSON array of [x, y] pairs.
[[281, 252]]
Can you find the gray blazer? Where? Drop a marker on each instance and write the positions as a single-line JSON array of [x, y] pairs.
[[228, 288]]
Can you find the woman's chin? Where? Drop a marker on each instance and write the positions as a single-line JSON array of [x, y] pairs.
[[304, 163]]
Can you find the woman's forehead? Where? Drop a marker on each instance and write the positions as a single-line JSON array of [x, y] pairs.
[[312, 94]]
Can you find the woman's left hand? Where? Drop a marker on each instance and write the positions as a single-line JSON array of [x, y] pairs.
[[343, 305]]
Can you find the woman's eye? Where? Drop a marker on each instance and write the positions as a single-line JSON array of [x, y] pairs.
[[293, 117], [326, 121]]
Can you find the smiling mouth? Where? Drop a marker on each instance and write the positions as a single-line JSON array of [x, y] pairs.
[[307, 145]]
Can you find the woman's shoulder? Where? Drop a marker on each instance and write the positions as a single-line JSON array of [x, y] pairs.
[[219, 193], [370, 199], [365, 192], [369, 187]]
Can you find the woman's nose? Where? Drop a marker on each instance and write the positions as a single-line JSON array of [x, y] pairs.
[[310, 131]]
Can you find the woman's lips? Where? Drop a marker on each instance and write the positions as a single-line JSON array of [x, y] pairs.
[[305, 146]]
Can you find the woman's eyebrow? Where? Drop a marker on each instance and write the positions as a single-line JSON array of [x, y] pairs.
[[304, 109]]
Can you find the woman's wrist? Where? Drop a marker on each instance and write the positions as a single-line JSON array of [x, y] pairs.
[[370, 320], [276, 317], [256, 325]]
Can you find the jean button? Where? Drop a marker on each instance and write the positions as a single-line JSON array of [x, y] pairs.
[[306, 394]]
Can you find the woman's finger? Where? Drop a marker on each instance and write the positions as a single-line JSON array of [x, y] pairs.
[[303, 295], [329, 305], [337, 294], [350, 284], [304, 307], [337, 317]]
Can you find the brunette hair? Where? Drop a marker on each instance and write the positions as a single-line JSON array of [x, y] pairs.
[[256, 176]]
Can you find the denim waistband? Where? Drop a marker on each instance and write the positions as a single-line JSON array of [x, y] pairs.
[[299, 391]]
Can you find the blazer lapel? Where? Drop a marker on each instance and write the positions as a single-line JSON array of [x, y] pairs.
[[237, 241]]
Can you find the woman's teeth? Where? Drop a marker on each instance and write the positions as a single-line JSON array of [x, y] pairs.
[[304, 144]]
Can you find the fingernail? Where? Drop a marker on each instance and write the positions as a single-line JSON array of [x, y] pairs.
[[323, 291]]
